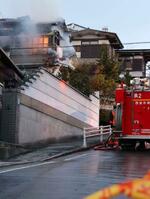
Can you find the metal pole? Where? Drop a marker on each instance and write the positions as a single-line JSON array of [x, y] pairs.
[[110, 130], [84, 138], [101, 134]]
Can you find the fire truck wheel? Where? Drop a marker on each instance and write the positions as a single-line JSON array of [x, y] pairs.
[[126, 145], [141, 147], [129, 147]]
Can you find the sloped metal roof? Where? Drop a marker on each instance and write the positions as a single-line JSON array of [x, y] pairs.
[[8, 70]]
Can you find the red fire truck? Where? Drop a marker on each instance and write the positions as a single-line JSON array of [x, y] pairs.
[[132, 114]]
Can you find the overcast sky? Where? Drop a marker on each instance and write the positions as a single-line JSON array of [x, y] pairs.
[[130, 19]]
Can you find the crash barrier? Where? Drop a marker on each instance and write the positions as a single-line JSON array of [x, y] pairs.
[[103, 132], [135, 189]]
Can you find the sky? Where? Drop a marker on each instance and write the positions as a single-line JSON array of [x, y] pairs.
[[130, 19]]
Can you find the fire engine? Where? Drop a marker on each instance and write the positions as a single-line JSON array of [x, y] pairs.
[[132, 114]]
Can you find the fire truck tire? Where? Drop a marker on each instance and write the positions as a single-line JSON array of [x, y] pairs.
[[118, 118], [127, 145], [141, 147]]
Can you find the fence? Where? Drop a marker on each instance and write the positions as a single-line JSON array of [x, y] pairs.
[[103, 132]]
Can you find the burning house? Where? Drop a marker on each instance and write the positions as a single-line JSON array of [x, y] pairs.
[[41, 107], [32, 45]]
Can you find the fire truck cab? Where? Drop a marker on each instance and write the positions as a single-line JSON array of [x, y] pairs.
[[132, 114]]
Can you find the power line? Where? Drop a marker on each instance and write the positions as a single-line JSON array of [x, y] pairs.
[[126, 43], [139, 42]]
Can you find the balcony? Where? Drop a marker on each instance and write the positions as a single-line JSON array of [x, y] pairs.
[[32, 56]]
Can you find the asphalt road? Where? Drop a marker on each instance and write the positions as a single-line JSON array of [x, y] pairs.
[[73, 176]]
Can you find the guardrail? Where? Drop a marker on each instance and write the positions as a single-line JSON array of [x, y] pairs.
[[96, 131]]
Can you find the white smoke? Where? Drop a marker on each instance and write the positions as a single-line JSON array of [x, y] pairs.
[[38, 10], [65, 44]]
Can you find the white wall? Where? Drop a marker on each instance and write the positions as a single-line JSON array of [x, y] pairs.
[[78, 54], [76, 43], [104, 42], [36, 126], [136, 73], [55, 93]]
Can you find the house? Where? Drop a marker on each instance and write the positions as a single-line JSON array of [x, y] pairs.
[[134, 61], [42, 107], [88, 43], [32, 45]]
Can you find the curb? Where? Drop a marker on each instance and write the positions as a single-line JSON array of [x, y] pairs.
[[66, 153], [47, 159]]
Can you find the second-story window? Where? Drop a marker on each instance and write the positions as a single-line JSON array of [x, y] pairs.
[[90, 49], [41, 41]]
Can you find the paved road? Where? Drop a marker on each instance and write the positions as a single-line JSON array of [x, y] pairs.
[[72, 177]]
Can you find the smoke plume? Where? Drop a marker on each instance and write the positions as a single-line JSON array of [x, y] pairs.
[[38, 10]]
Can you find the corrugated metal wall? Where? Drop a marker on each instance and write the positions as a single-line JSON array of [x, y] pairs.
[[0, 106], [9, 116]]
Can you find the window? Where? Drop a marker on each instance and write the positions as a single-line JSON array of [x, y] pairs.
[[137, 64], [41, 41], [90, 51], [40, 44], [77, 48]]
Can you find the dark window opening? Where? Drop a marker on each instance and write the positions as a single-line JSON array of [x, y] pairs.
[[77, 48], [137, 64], [90, 51]]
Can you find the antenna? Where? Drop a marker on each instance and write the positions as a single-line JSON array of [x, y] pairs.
[[105, 29]]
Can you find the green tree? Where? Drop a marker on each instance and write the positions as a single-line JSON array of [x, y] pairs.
[[108, 73], [80, 79], [88, 78], [127, 78], [65, 73]]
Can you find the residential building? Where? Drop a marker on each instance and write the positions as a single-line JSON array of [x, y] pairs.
[[33, 45], [36, 105], [134, 61], [88, 43]]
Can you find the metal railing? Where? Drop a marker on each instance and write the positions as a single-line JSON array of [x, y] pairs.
[[101, 132], [29, 51]]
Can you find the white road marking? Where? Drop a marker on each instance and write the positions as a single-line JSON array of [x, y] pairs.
[[40, 164], [75, 157], [26, 167]]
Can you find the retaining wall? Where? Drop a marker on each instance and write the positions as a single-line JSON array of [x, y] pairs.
[[46, 109]]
